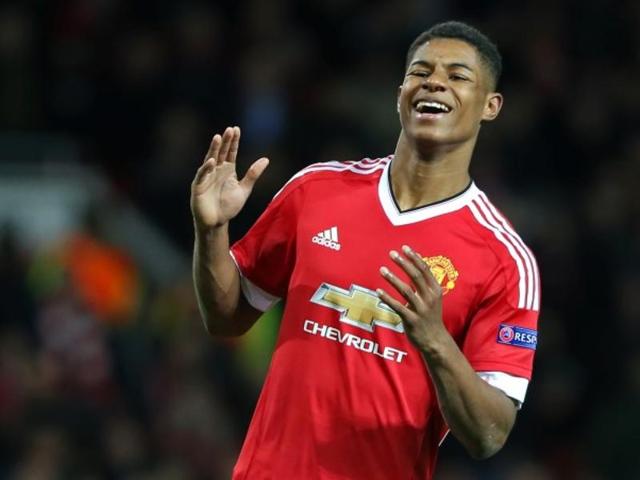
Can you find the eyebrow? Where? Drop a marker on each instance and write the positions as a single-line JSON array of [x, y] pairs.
[[448, 65]]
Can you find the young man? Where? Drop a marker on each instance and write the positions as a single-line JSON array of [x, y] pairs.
[[411, 303]]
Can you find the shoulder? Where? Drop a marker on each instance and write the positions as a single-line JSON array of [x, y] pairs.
[[364, 169], [515, 260]]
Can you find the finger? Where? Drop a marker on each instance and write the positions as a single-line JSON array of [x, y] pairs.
[[254, 172], [398, 307], [420, 263], [204, 170], [214, 147], [204, 185], [216, 151], [415, 274], [235, 141], [227, 136], [402, 288]]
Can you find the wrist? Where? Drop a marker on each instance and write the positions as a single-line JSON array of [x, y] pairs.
[[205, 232], [438, 346]]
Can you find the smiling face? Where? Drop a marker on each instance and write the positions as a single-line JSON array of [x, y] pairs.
[[447, 91]]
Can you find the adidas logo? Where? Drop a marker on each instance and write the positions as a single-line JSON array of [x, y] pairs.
[[327, 238]]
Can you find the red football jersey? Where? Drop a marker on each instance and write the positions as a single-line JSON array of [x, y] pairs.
[[347, 395]]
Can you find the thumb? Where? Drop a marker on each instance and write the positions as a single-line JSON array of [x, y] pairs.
[[254, 172]]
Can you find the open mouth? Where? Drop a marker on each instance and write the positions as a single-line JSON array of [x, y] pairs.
[[431, 107]]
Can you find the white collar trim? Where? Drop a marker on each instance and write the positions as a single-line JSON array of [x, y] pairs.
[[396, 217]]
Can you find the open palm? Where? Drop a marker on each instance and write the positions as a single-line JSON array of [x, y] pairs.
[[216, 193]]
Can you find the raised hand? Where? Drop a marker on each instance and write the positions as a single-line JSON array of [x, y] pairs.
[[216, 193]]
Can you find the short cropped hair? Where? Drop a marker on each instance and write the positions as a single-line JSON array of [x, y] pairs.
[[461, 31]]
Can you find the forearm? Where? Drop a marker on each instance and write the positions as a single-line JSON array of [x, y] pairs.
[[479, 415], [217, 284]]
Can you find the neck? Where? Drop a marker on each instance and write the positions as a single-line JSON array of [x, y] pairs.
[[420, 176]]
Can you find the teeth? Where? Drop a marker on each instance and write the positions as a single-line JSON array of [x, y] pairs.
[[422, 105]]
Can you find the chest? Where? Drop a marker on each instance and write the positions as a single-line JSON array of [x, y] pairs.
[[343, 242]]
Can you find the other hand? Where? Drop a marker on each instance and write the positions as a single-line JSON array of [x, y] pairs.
[[216, 193]]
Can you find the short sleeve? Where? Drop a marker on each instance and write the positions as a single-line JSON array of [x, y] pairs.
[[265, 256], [502, 338]]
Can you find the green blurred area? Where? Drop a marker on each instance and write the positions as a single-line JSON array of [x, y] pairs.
[[254, 351]]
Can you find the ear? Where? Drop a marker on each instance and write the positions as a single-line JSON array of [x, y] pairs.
[[492, 106], [398, 99]]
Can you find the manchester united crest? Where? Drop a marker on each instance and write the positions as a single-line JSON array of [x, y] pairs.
[[443, 271]]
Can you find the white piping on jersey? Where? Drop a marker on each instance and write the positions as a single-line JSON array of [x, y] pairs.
[[504, 237], [513, 386], [362, 167], [443, 438], [257, 298], [525, 281], [493, 220], [396, 217], [474, 198], [533, 294]]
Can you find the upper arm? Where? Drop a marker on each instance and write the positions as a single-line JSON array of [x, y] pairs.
[[246, 317], [266, 255], [501, 340]]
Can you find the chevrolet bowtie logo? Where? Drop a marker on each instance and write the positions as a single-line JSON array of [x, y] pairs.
[[358, 306]]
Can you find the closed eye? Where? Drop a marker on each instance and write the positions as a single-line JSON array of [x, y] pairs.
[[457, 76], [420, 73]]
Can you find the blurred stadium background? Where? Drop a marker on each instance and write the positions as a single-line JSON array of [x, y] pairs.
[[107, 107]]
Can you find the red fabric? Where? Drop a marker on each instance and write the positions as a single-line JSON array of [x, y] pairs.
[[329, 410]]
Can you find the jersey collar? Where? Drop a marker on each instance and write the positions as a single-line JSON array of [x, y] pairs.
[[396, 217]]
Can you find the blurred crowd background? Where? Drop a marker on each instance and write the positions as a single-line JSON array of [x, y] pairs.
[[105, 368]]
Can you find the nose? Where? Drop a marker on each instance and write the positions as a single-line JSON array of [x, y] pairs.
[[434, 82]]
